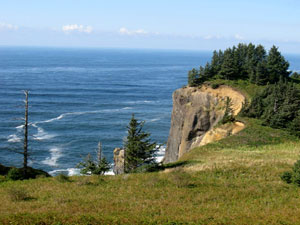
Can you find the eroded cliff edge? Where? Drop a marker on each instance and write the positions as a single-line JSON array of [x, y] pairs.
[[196, 112]]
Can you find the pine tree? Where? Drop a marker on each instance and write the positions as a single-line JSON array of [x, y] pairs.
[[98, 167], [261, 76], [228, 68], [277, 66], [193, 78], [228, 114], [215, 63], [139, 149]]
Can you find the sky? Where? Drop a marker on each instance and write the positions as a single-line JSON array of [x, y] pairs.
[[152, 24]]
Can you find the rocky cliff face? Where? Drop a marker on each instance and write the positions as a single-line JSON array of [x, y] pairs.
[[118, 161], [195, 113]]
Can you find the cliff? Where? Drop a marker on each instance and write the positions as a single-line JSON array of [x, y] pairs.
[[196, 112]]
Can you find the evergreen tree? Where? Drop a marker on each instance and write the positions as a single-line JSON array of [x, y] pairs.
[[139, 149], [228, 68], [277, 66], [216, 63], [193, 78], [98, 167], [295, 75], [228, 114], [261, 75]]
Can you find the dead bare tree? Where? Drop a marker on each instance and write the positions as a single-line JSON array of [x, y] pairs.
[[25, 149]]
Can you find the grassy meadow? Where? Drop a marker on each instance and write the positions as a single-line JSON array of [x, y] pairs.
[[233, 181]]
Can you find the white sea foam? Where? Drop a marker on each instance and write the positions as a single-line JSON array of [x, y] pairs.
[[13, 138], [160, 154], [110, 172], [73, 172], [55, 154], [20, 127], [42, 135], [69, 172], [81, 113], [155, 119], [141, 102]]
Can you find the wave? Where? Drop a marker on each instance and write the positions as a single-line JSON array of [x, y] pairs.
[[141, 102], [61, 116], [13, 138], [42, 134], [68, 171], [160, 154], [55, 154], [73, 172], [155, 119], [20, 127]]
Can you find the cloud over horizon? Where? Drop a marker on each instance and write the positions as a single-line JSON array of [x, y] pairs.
[[77, 28], [125, 31], [7, 26]]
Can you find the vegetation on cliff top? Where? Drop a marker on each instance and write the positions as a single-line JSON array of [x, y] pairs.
[[245, 62], [276, 96]]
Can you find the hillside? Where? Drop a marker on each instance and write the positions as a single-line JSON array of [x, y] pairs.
[[233, 181]]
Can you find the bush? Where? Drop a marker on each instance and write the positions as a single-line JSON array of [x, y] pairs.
[[63, 178], [15, 174], [292, 176], [287, 177], [215, 86], [4, 170], [19, 173]]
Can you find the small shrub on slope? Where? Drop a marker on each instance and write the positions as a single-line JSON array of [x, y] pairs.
[[292, 176]]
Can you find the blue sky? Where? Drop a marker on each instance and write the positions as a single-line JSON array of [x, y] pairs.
[[157, 24]]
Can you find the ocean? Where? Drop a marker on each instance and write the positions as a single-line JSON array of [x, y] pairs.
[[78, 97]]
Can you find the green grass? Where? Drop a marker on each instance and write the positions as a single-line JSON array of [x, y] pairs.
[[245, 87], [233, 181]]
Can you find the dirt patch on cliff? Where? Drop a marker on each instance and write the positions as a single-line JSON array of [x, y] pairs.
[[237, 98]]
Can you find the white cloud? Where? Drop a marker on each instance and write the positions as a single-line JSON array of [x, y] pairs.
[[239, 37], [211, 37], [7, 26], [77, 28], [125, 31]]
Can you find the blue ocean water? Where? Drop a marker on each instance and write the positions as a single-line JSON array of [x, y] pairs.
[[79, 97]]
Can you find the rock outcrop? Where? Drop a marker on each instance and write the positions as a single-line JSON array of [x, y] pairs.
[[196, 111], [118, 161]]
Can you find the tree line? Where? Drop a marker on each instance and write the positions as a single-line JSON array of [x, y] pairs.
[[278, 106], [246, 62]]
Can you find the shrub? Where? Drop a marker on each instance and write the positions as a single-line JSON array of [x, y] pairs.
[[63, 178], [287, 177], [292, 176], [228, 114], [4, 170], [15, 174], [215, 86], [296, 178]]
